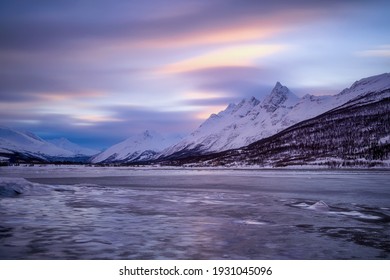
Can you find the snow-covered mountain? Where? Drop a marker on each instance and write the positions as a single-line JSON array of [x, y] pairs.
[[26, 146], [251, 120], [141, 147], [355, 134], [76, 149], [14, 142]]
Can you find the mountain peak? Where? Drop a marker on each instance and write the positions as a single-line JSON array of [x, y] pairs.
[[147, 134], [278, 85], [279, 95], [279, 88]]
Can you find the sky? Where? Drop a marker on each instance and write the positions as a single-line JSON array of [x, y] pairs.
[[97, 72]]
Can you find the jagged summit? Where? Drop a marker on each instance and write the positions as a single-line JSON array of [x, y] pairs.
[[240, 124], [279, 88], [278, 96]]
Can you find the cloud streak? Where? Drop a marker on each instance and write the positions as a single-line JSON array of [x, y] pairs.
[[238, 56], [110, 69], [381, 51], [165, 24]]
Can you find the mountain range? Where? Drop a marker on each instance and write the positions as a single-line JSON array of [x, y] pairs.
[[355, 134], [251, 120], [25, 146], [240, 134]]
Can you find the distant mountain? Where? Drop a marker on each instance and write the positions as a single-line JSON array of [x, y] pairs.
[[27, 146], [24, 146], [251, 120], [354, 134], [141, 147], [76, 149]]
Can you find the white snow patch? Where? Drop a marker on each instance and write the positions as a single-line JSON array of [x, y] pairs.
[[319, 206]]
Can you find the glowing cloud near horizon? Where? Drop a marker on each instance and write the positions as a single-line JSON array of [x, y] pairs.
[[237, 56]]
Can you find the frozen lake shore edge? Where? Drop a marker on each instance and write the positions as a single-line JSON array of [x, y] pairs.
[[63, 171]]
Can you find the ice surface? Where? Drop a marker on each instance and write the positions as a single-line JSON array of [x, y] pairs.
[[128, 213]]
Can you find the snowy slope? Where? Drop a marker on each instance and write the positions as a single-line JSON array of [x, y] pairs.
[[12, 141], [139, 147], [310, 106], [65, 144], [251, 120]]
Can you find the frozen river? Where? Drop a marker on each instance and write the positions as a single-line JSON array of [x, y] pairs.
[[127, 213]]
